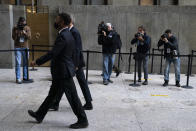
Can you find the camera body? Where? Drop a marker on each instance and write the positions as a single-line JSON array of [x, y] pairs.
[[102, 27], [21, 26], [165, 35], [138, 35]]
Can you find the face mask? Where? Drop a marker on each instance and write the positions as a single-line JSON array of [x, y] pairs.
[[56, 25]]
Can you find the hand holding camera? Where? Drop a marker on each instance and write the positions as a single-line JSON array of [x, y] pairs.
[[104, 33], [139, 36], [164, 38]]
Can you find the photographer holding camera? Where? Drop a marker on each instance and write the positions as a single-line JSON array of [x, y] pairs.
[[171, 53], [21, 34], [143, 42], [107, 38]]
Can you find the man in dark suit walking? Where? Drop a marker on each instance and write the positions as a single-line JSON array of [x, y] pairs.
[[62, 70], [79, 63]]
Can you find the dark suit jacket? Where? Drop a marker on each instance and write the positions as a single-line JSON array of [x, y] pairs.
[[61, 56], [79, 58]]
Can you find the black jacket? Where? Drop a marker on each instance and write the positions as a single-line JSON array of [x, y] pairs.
[[79, 58], [142, 47], [172, 45], [108, 42], [61, 56]]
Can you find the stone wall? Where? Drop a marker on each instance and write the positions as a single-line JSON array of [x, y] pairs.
[[126, 19]]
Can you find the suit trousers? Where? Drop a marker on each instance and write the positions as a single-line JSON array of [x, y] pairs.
[[68, 87], [83, 85]]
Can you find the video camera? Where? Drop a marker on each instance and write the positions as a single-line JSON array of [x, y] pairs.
[[102, 27]]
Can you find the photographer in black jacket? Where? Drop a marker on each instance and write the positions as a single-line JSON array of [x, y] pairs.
[[143, 42], [107, 37], [171, 53]]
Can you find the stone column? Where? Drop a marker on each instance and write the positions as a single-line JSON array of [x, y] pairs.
[[167, 2], [97, 2], [187, 2], [6, 24], [77, 2], [123, 2]]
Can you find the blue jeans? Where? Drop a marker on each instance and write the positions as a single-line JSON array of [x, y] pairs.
[[20, 55], [108, 62], [145, 67], [176, 66]]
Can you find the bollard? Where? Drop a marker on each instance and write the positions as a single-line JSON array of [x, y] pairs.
[[27, 60], [161, 65], [129, 65], [33, 58], [87, 63], [135, 84], [188, 73], [191, 64], [152, 64], [119, 56]]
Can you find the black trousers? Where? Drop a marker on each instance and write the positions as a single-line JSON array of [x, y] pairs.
[[83, 85], [68, 87]]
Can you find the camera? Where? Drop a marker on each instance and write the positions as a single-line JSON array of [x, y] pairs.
[[102, 27], [21, 26], [138, 35], [164, 36]]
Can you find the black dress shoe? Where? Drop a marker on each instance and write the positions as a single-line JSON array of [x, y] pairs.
[[88, 106], [34, 115], [77, 125], [54, 108]]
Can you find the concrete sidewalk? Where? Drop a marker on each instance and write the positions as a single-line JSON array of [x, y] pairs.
[[117, 107]]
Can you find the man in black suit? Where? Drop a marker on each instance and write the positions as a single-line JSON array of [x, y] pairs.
[[79, 63], [62, 70]]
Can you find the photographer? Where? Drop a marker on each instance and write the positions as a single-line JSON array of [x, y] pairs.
[[106, 38], [143, 42], [21, 34], [171, 53]]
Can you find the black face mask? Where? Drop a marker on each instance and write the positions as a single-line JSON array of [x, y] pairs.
[[56, 26]]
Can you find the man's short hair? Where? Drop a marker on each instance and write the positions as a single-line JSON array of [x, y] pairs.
[[168, 31], [142, 27], [65, 17], [108, 24]]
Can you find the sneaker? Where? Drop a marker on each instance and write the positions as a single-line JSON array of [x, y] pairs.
[[18, 81], [178, 84], [110, 81], [165, 83], [105, 82], [139, 80], [145, 82]]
